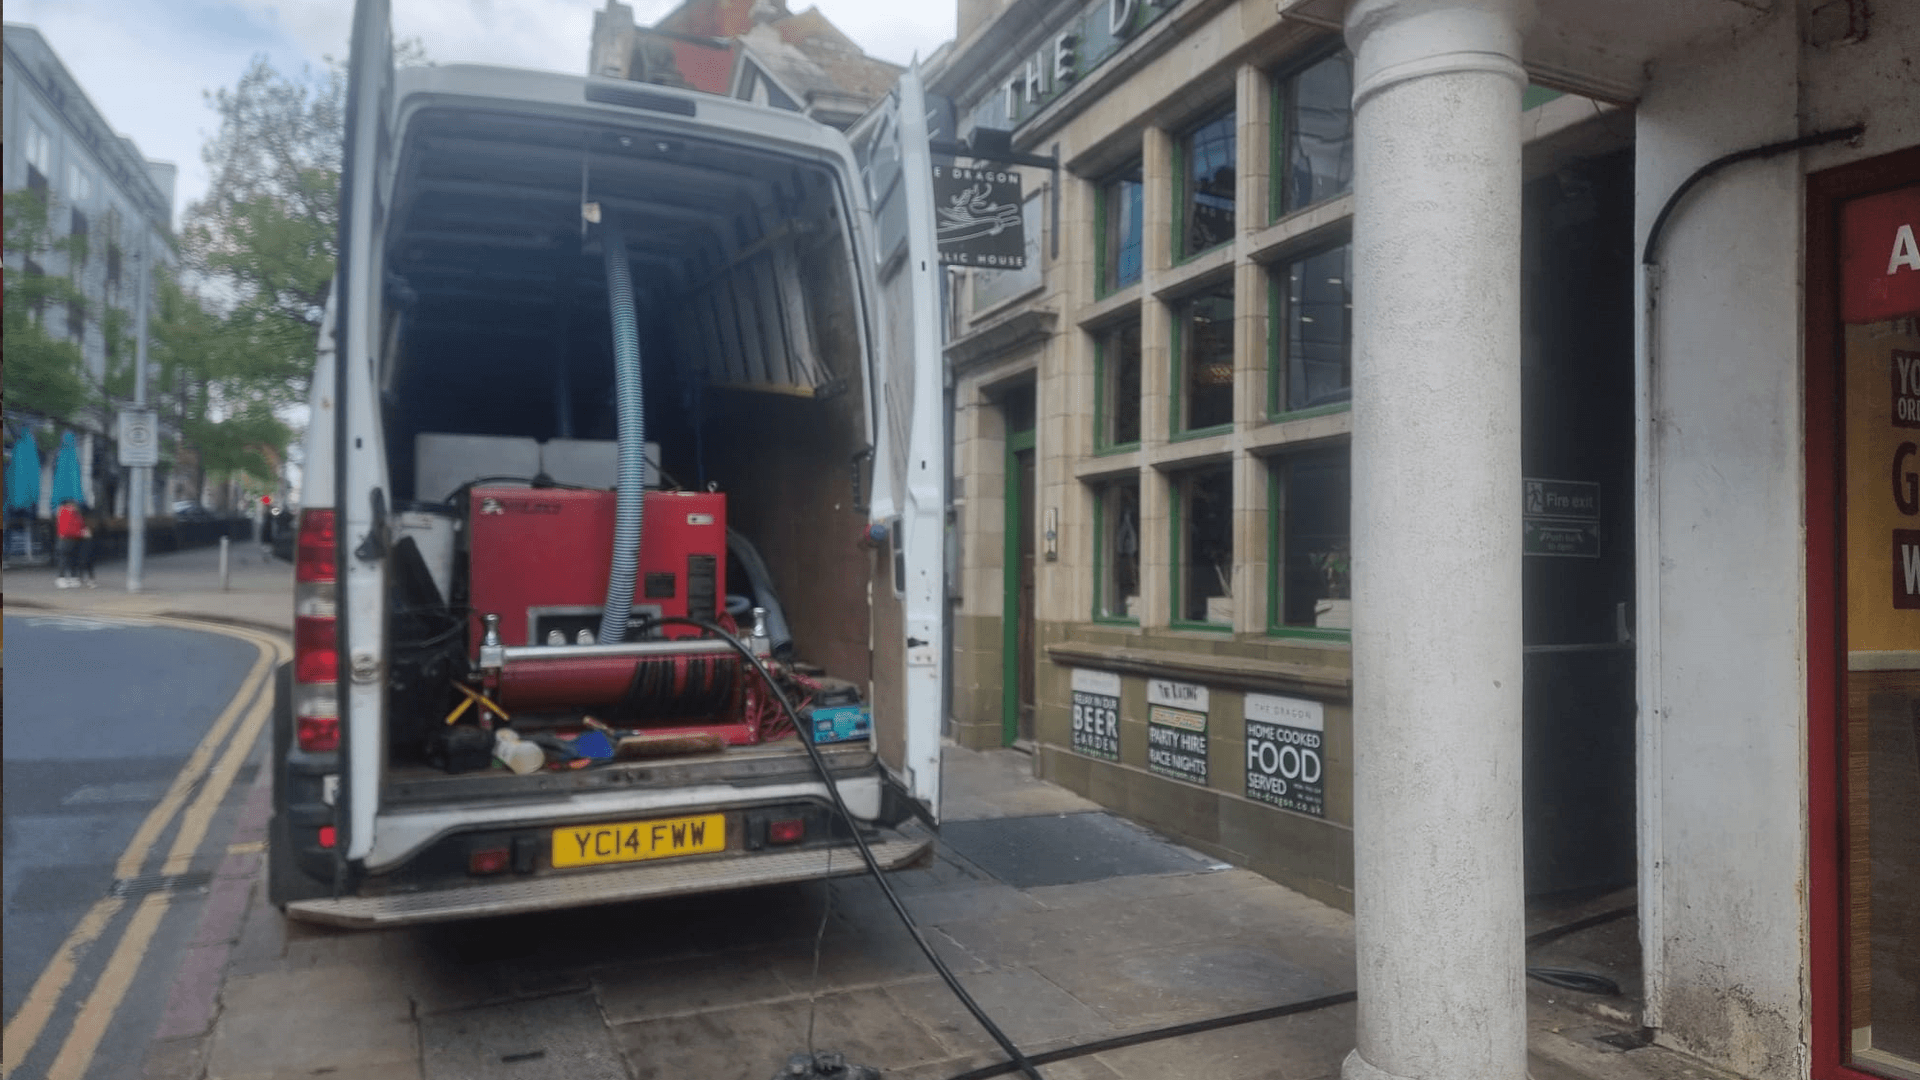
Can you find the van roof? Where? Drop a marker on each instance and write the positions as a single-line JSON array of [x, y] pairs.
[[621, 98]]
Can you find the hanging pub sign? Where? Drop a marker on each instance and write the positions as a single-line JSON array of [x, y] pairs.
[[977, 219], [1284, 759], [1177, 730], [1096, 714]]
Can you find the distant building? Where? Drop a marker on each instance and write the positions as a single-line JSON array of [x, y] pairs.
[[97, 184], [755, 50]]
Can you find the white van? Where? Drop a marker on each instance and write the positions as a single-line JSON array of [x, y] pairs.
[[625, 393]]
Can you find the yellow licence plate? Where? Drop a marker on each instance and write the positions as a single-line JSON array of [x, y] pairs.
[[633, 841]]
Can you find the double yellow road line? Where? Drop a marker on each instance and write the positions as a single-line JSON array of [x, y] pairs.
[[206, 778]]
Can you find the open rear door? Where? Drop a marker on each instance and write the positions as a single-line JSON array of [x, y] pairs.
[[359, 459], [907, 379]]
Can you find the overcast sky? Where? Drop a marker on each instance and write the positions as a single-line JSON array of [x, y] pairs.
[[148, 63]]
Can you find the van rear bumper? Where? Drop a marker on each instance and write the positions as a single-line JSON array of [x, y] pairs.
[[735, 870]]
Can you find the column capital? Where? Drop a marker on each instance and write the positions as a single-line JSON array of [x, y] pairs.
[[1397, 40]]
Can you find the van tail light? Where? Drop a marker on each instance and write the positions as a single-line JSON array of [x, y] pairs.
[[316, 646], [314, 552], [318, 734]]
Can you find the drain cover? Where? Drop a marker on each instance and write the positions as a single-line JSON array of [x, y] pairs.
[[1627, 1040], [1061, 849]]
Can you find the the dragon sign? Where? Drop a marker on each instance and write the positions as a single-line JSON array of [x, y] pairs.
[[972, 213]]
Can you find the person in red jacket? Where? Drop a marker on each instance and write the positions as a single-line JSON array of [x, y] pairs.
[[70, 528]]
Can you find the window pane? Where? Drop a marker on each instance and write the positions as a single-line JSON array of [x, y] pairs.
[[1315, 493], [1318, 128], [992, 287], [39, 148], [1120, 384], [1206, 361], [1123, 206], [1205, 573], [1120, 549], [1317, 299], [1207, 217]]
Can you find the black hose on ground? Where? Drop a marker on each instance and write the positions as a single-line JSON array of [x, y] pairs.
[[1017, 1060], [1172, 1031], [1585, 982]]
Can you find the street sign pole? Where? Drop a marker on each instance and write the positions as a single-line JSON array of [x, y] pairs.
[[142, 474]]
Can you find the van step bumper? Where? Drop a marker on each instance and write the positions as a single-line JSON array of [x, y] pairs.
[[559, 891]]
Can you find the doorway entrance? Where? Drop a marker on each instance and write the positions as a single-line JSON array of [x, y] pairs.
[[1017, 636], [1578, 527], [1863, 614]]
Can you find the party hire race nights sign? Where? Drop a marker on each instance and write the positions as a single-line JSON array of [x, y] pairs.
[[1284, 762], [977, 218], [1096, 714], [1177, 730]]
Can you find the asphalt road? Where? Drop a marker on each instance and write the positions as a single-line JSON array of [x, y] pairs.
[[102, 716]]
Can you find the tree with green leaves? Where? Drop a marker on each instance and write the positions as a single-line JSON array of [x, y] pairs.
[[262, 242], [45, 374]]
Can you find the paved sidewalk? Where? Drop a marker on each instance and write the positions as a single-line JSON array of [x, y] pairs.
[[1066, 923], [186, 583]]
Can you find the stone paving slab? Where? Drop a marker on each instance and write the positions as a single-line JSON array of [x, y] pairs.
[[294, 1022], [1032, 1010], [636, 992], [1166, 984], [1303, 1047], [722, 987], [562, 1037]]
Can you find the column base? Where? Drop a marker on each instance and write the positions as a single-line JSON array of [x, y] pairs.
[[1357, 1068]]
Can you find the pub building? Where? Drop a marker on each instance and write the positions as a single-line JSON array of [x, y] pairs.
[[1452, 456]]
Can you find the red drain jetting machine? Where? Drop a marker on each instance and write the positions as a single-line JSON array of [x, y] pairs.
[[538, 564]]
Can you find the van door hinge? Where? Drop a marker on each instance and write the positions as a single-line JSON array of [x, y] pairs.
[[373, 546]]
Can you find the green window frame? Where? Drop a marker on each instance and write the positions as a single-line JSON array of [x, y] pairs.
[[1313, 289], [1113, 564], [1324, 554], [1116, 379], [1216, 132], [1186, 398], [1326, 74], [1187, 581]]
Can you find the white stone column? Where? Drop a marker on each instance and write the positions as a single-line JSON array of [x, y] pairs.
[[1438, 903]]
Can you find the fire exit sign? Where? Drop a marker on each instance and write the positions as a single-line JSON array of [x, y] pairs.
[[1561, 517]]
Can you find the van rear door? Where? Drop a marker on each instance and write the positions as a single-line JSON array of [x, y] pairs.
[[359, 460], [908, 495]]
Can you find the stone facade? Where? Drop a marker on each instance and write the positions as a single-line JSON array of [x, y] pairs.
[[1131, 100]]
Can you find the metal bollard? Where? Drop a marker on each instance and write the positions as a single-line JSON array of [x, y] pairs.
[[223, 563]]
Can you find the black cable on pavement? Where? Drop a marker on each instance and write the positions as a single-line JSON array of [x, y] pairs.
[[1586, 982], [1017, 1060], [1174, 1031]]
